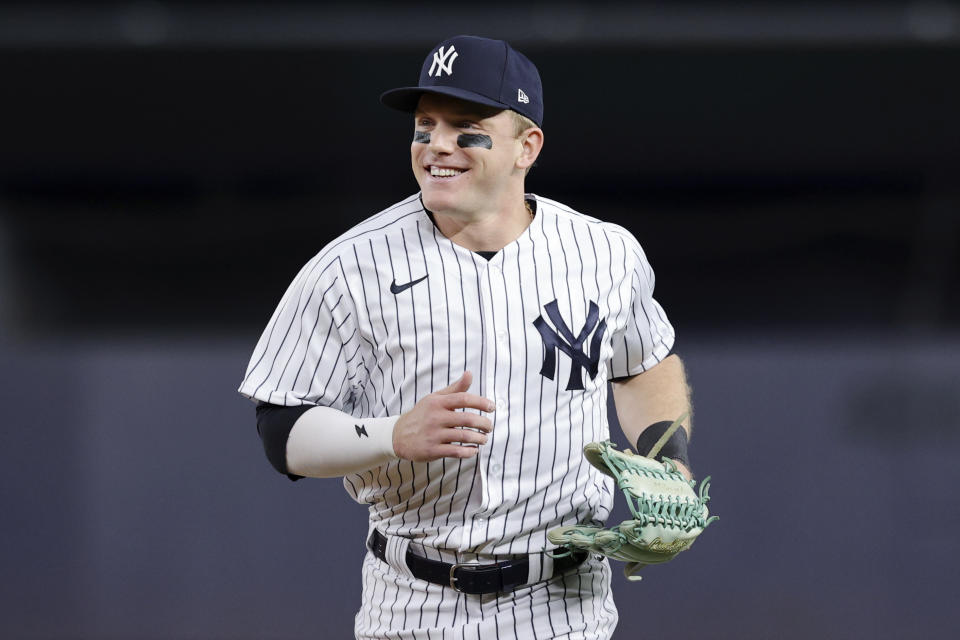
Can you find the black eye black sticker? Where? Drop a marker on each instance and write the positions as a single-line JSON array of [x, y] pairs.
[[421, 136], [474, 140]]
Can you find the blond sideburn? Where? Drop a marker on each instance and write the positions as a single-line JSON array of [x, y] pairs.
[[520, 124]]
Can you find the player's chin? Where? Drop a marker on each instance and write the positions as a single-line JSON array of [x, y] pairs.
[[439, 199]]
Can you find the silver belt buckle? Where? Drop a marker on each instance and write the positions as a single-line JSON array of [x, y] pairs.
[[454, 567]]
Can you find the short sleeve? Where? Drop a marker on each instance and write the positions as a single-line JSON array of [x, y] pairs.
[[647, 336], [310, 352]]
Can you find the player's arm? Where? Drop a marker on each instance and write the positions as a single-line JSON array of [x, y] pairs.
[[647, 402], [322, 442]]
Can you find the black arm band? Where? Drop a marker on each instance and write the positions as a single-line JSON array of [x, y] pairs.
[[274, 423], [675, 448]]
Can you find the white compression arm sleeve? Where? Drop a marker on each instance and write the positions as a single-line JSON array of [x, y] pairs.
[[326, 443]]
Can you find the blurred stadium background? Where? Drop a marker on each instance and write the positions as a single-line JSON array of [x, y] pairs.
[[793, 172]]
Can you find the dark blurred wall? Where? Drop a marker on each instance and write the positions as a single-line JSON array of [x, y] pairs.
[[802, 181], [793, 173]]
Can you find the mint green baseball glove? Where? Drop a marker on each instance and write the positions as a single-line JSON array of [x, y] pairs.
[[667, 514]]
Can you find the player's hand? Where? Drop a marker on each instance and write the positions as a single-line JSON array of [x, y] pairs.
[[682, 468], [427, 432]]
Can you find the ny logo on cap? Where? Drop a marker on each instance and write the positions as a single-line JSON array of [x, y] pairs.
[[443, 61]]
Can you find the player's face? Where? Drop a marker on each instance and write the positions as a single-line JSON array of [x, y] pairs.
[[464, 155]]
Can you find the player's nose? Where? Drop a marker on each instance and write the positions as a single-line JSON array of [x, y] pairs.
[[443, 139]]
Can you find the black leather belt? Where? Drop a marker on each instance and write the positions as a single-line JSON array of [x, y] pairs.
[[497, 577]]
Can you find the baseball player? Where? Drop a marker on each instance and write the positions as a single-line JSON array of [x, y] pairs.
[[449, 357]]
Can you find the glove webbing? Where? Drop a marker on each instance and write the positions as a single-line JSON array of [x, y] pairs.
[[684, 515]]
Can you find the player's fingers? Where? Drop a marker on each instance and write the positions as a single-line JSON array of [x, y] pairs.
[[460, 419], [463, 400], [464, 435], [460, 384], [457, 451]]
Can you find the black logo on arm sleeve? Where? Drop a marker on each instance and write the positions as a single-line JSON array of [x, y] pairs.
[[361, 431]]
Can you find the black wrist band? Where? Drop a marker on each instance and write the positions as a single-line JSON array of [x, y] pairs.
[[675, 448]]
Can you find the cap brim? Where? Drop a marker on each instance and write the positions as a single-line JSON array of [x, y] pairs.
[[407, 98]]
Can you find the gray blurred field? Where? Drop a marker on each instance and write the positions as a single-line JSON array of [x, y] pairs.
[[137, 503]]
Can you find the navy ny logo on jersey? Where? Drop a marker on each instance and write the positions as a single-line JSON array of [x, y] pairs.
[[562, 338]]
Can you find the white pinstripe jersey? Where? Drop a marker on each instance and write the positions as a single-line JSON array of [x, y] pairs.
[[542, 325]]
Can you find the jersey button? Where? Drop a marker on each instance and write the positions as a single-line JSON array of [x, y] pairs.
[[502, 336], [496, 467], [501, 404]]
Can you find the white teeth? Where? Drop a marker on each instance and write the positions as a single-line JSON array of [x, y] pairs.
[[444, 173]]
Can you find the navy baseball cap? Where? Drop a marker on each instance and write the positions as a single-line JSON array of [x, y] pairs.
[[481, 70]]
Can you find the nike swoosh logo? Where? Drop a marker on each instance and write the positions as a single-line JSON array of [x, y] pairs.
[[398, 288]]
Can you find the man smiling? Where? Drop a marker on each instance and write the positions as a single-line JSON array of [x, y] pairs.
[[470, 162], [449, 357]]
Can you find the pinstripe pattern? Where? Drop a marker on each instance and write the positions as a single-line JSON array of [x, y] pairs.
[[575, 605], [340, 338]]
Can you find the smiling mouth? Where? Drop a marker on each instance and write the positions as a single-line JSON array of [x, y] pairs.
[[445, 172]]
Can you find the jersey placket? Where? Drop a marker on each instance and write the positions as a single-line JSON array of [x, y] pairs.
[[493, 386], [477, 524]]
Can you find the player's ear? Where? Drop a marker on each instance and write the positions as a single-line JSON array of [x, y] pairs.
[[531, 142]]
